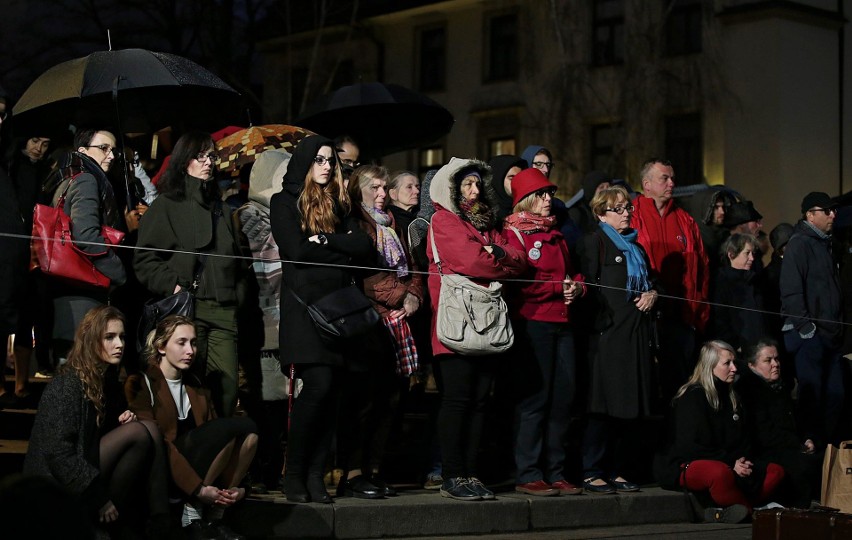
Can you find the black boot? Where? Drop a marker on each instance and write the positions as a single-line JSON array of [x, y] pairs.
[[316, 489], [295, 489]]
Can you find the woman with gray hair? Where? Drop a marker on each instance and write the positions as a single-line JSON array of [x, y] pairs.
[[710, 448]]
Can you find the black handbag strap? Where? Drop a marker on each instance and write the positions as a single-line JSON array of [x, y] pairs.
[[202, 257]]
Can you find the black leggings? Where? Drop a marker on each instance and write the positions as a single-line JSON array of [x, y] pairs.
[[133, 465], [201, 445], [311, 421]]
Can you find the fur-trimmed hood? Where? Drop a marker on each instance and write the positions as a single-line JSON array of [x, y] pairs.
[[444, 190]]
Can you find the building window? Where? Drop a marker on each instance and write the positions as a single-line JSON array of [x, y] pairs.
[[501, 146], [432, 59], [502, 42], [606, 154], [608, 32], [430, 158], [684, 148], [683, 27]]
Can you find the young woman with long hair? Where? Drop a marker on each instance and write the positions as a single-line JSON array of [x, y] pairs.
[[86, 440], [208, 456], [317, 239]]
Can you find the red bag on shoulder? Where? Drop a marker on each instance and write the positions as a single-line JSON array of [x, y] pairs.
[[55, 252]]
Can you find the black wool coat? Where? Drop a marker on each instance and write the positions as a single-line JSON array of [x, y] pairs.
[[304, 270]]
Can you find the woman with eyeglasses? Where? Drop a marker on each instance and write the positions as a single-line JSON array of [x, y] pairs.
[[619, 351], [195, 232], [545, 380], [317, 240], [90, 203]]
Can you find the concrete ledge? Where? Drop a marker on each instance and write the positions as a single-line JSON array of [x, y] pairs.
[[425, 513]]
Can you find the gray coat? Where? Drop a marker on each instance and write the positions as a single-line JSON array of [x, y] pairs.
[[65, 441]]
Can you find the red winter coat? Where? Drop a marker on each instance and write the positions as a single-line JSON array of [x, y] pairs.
[[543, 299], [676, 252], [459, 244]]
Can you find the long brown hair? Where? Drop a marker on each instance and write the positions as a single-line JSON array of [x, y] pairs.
[[86, 356], [317, 202]]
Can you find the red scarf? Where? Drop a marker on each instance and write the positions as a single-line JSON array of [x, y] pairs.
[[529, 223]]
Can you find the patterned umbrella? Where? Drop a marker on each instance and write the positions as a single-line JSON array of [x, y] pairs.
[[243, 147]]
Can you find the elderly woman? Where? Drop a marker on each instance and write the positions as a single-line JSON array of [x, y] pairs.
[[619, 351], [195, 248], [735, 315], [403, 192], [464, 235], [316, 235], [546, 382], [710, 447], [771, 417], [387, 357]]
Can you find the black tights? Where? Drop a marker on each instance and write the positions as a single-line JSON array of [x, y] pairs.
[[133, 465], [311, 422]]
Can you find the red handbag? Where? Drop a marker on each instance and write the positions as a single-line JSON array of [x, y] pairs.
[[55, 252]]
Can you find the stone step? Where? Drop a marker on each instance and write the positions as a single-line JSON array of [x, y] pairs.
[[16, 423], [425, 513], [12, 454]]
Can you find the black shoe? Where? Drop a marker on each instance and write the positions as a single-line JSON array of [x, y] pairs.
[[605, 489], [736, 513], [196, 530], [361, 488], [316, 489], [295, 490], [459, 488], [625, 486], [224, 533], [387, 491], [475, 485]]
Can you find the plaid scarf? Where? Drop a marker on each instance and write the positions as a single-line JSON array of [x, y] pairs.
[[529, 223], [403, 345]]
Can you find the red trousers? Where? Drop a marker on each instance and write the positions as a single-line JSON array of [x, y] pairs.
[[718, 478]]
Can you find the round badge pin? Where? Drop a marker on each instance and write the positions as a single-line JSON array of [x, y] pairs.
[[619, 259], [534, 254], [537, 244]]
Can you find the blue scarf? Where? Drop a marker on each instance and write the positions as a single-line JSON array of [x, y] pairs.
[[637, 272]]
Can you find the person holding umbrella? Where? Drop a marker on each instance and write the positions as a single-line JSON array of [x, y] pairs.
[[90, 203], [189, 222]]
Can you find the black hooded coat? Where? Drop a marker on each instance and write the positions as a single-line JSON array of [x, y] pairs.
[[304, 267]]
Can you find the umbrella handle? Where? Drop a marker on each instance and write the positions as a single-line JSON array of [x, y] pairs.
[[130, 204]]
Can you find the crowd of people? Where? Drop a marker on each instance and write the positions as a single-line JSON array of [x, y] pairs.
[[620, 307]]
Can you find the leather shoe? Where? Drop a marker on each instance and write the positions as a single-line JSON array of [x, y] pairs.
[[361, 488], [539, 488], [316, 489], [196, 530], [224, 532], [736, 513], [603, 489], [475, 485], [295, 490], [387, 491], [566, 488], [459, 488], [624, 485]]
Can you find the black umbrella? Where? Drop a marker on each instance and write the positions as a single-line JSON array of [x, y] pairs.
[[382, 118], [154, 90]]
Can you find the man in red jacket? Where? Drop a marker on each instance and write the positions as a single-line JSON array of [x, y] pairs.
[[672, 240]]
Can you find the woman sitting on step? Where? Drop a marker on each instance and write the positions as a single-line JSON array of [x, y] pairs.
[[208, 456]]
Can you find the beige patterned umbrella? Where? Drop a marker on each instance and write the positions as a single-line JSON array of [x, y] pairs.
[[244, 146]]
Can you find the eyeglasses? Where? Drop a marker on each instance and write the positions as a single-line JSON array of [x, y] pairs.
[[322, 160], [826, 211], [202, 157], [105, 148], [621, 209], [350, 162], [542, 164], [542, 193]]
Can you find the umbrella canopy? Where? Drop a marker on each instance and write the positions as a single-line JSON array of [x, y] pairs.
[[154, 90], [382, 118], [244, 146]]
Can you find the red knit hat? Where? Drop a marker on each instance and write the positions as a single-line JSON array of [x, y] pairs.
[[528, 181]]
